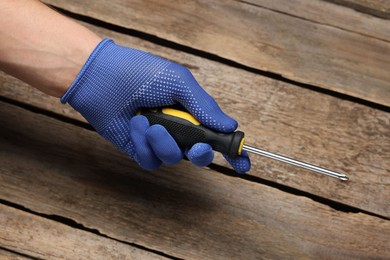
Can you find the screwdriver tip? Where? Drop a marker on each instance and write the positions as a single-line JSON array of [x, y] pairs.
[[291, 161]]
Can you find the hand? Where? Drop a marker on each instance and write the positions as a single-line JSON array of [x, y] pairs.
[[117, 81]]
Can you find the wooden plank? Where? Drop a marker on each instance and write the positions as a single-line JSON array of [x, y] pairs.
[[279, 117], [8, 255], [260, 38], [43, 238], [58, 168], [379, 8], [319, 11]]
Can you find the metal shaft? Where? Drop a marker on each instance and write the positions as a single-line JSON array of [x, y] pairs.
[[296, 162]]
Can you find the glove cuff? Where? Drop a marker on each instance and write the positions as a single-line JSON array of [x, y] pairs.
[[64, 99]]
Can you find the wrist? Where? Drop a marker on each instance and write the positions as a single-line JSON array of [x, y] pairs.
[[75, 83], [41, 47], [73, 60]]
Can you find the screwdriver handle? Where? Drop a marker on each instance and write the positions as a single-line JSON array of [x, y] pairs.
[[187, 131]]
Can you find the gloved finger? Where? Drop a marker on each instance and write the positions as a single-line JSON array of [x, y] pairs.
[[199, 103], [200, 154], [144, 154], [212, 115], [163, 144], [240, 164]]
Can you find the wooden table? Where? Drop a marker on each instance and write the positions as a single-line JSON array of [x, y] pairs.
[[307, 79]]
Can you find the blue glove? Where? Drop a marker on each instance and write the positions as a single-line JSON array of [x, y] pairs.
[[117, 81]]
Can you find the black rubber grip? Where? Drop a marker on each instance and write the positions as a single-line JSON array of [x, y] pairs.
[[186, 134]]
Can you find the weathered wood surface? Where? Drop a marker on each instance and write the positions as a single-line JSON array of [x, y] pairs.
[[42, 238], [58, 168], [7, 255], [298, 49], [319, 11], [379, 8], [279, 117]]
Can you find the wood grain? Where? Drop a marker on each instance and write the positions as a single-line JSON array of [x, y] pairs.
[[329, 14], [42, 238], [379, 8], [260, 38], [57, 168], [282, 118], [7, 255]]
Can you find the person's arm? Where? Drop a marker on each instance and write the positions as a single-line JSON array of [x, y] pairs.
[[42, 47], [108, 83]]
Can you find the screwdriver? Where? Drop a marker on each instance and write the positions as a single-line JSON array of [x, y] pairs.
[[186, 130]]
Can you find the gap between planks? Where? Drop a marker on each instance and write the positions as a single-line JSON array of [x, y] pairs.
[[298, 123], [315, 14], [292, 119], [8, 254], [217, 168], [218, 58], [173, 209], [315, 54], [378, 8], [36, 235]]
